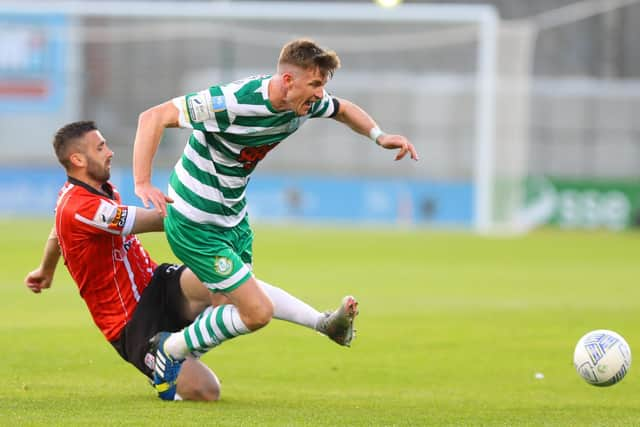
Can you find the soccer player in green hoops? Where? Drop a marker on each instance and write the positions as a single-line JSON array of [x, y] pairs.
[[129, 296], [234, 126]]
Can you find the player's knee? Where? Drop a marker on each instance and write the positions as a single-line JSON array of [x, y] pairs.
[[201, 393], [209, 393], [266, 313], [260, 315], [197, 382]]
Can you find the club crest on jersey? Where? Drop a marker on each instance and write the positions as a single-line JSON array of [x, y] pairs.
[[223, 265]]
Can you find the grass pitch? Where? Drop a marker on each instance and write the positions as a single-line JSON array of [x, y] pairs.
[[453, 329]]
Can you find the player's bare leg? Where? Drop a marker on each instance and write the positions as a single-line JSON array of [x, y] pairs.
[[249, 309], [253, 304], [197, 296], [197, 382]]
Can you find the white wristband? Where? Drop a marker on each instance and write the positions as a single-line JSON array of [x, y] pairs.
[[375, 133]]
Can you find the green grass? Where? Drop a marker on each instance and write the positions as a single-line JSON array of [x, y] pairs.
[[452, 329]]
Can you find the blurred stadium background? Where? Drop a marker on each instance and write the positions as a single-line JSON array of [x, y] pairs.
[[523, 112]]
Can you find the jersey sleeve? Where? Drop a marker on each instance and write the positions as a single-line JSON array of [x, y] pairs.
[[205, 110], [328, 106], [99, 216]]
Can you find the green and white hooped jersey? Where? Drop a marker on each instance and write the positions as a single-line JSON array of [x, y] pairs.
[[234, 127]]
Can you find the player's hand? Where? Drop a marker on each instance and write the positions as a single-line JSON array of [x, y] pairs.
[[398, 142], [150, 194], [38, 280]]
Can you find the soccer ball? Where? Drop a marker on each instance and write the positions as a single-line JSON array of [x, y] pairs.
[[602, 357]]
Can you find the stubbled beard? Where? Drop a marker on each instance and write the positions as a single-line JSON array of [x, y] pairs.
[[98, 172]]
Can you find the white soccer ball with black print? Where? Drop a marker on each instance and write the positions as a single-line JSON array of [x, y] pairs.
[[602, 357]]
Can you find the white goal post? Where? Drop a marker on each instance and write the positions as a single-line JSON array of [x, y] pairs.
[[486, 34]]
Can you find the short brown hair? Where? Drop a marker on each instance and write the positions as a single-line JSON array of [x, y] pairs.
[[67, 135], [306, 54]]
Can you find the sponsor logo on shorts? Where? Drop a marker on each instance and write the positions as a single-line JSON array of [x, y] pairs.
[[150, 361], [171, 268], [223, 265]]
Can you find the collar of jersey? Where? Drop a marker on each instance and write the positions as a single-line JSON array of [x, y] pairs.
[[107, 189]]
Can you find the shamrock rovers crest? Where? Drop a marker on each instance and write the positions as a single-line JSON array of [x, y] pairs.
[[223, 265]]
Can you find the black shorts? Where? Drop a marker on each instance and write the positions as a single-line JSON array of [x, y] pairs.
[[159, 309]]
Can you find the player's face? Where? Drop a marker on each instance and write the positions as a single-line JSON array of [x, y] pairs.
[[304, 87], [98, 157]]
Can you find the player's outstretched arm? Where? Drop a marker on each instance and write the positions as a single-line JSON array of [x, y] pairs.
[[361, 122], [397, 142], [147, 220], [42, 277], [151, 124]]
